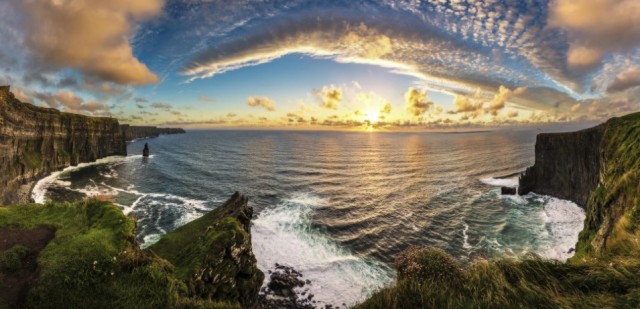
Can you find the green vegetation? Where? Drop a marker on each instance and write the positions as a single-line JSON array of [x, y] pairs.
[[213, 255], [31, 159], [605, 271], [11, 259], [94, 262], [436, 281]]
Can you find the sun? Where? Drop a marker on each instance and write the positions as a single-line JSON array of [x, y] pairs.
[[373, 116]]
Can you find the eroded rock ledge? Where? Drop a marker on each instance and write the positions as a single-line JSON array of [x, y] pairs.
[[213, 254]]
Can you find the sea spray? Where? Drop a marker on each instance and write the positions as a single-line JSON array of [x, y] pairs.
[[285, 235]]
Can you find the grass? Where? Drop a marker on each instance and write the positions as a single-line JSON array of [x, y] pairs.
[[212, 254], [11, 259], [436, 281], [94, 262]]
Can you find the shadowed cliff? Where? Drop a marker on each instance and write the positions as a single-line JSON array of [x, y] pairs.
[[35, 141]]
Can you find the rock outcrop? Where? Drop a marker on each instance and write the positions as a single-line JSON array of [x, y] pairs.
[[145, 151], [567, 165], [36, 141], [135, 132], [213, 254]]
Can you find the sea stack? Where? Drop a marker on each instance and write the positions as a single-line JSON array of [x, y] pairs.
[[145, 151]]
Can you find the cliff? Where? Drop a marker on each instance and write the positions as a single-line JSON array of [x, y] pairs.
[[598, 168], [36, 141], [566, 165], [84, 255], [135, 132], [213, 254]]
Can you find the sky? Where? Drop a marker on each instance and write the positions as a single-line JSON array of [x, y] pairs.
[[372, 65]]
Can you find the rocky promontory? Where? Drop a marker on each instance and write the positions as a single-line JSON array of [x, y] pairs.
[[136, 132], [213, 254], [35, 141]]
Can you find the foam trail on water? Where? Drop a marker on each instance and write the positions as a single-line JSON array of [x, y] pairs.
[[501, 182], [285, 235], [38, 194], [465, 237]]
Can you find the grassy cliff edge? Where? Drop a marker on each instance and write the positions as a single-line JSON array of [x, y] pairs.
[[90, 259]]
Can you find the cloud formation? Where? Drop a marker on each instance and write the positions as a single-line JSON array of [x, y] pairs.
[[69, 102], [330, 96], [262, 102], [596, 27], [417, 102], [91, 36], [206, 99], [626, 79]]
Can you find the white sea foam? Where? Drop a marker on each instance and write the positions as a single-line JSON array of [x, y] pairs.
[[501, 182], [285, 235], [465, 237], [564, 221], [38, 194]]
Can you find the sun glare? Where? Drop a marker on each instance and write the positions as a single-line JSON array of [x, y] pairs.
[[373, 117]]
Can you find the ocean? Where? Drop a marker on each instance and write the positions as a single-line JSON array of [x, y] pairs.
[[338, 206]]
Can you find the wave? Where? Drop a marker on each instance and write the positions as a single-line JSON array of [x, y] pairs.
[[285, 235], [564, 220], [38, 194], [500, 182]]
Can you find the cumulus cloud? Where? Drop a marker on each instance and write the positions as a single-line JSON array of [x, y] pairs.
[[261, 102], [91, 36], [206, 99], [626, 79], [596, 27], [69, 102], [500, 98], [417, 102], [512, 114], [330, 96], [386, 109], [141, 100]]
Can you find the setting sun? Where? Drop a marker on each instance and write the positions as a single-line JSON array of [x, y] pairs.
[[373, 117]]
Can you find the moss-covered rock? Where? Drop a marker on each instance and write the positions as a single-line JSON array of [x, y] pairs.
[[213, 254]]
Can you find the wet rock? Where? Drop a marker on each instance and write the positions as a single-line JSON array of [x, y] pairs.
[[145, 151], [508, 191], [284, 290]]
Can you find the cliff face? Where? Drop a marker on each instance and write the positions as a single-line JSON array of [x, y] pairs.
[[134, 132], [567, 165], [599, 169], [213, 254], [36, 141]]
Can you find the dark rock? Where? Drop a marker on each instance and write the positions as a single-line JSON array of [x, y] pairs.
[[145, 151], [508, 191], [567, 165]]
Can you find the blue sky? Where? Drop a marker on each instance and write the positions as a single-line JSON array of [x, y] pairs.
[[385, 65]]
